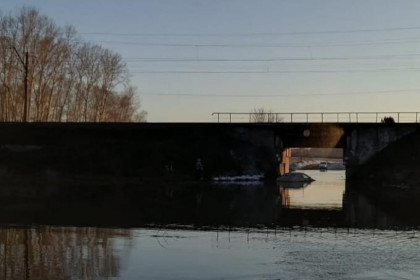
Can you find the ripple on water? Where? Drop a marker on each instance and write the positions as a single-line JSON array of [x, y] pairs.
[[285, 254]]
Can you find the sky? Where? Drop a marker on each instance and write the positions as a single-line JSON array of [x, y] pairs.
[[190, 58]]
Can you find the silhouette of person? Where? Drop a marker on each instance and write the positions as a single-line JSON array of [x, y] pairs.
[[199, 168]]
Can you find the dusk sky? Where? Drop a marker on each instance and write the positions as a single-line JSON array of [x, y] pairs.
[[189, 58]]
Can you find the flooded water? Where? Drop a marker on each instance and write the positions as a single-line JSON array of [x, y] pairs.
[[326, 192], [322, 230], [98, 253]]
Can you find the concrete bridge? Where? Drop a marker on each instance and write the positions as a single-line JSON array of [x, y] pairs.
[[359, 141], [361, 135], [168, 150]]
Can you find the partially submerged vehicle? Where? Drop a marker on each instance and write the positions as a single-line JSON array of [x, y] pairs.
[[295, 177], [293, 185]]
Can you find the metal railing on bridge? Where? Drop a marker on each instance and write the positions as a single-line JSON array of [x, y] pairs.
[[317, 117]]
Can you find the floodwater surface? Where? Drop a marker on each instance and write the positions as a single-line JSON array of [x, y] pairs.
[[311, 253], [322, 230], [326, 192]]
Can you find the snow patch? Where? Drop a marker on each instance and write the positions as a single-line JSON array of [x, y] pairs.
[[241, 178]]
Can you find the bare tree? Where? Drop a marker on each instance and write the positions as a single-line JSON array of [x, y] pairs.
[[261, 115], [48, 74]]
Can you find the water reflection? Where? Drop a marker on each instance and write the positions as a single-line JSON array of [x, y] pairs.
[[361, 212], [70, 253], [62, 252], [326, 192], [283, 253], [293, 185], [250, 232], [326, 202]]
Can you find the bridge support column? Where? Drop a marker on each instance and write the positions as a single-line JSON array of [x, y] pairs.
[[284, 165], [365, 142]]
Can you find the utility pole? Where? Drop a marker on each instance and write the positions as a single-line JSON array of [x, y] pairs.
[[25, 64], [25, 104]]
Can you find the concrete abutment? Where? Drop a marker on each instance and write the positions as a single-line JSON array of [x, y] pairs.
[[145, 150]]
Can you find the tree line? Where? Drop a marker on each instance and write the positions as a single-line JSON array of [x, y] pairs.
[[49, 74]]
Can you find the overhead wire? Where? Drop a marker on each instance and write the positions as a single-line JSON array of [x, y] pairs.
[[247, 45], [367, 30], [401, 91], [163, 59], [268, 71]]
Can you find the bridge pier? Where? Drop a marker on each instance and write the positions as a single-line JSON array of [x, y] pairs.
[[363, 142], [284, 165], [144, 150]]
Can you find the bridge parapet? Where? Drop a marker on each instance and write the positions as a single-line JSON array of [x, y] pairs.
[[316, 117]]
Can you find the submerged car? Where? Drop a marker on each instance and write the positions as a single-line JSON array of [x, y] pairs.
[[293, 185], [295, 177]]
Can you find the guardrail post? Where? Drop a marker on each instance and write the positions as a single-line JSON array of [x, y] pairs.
[[353, 117]]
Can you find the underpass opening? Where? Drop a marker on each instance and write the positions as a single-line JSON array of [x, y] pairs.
[[326, 167]]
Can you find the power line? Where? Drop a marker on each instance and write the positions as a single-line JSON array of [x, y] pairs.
[[368, 30], [315, 45], [400, 91], [163, 59], [268, 71]]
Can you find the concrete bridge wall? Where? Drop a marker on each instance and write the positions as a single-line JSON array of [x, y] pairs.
[[170, 150], [145, 151], [365, 141]]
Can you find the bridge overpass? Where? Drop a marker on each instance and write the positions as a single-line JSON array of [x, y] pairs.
[[360, 134], [145, 150]]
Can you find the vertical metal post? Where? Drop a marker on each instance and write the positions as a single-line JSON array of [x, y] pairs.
[[291, 117], [349, 117], [416, 117], [25, 104], [276, 117], [338, 119], [322, 117], [249, 117], [25, 64], [307, 119], [376, 117], [398, 118], [357, 117], [218, 117], [230, 117]]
